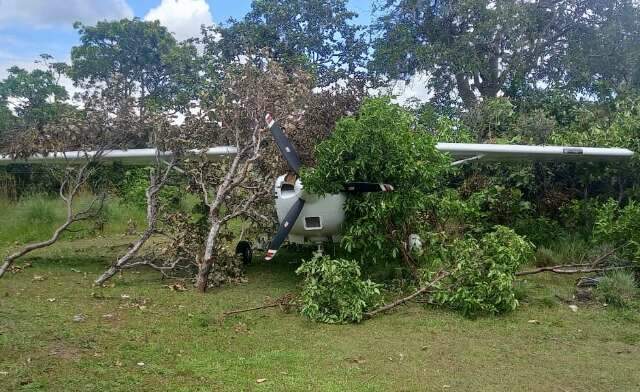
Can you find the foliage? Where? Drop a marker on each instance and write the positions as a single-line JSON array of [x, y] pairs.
[[483, 271], [334, 292], [37, 95], [539, 230], [507, 46], [617, 288], [619, 226], [140, 60], [395, 153], [319, 36]]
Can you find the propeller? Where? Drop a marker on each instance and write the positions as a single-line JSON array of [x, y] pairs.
[[284, 145], [285, 228], [293, 161]]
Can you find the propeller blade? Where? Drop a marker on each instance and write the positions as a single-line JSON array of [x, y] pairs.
[[284, 229], [364, 187], [284, 145]]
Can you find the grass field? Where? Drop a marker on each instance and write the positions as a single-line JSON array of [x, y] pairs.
[[141, 336]]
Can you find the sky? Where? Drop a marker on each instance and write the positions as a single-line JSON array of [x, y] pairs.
[[29, 28]]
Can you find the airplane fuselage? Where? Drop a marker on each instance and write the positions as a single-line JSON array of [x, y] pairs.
[[322, 215]]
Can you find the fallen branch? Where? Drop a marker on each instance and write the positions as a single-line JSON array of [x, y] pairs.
[[69, 190], [422, 290], [286, 300], [157, 181], [568, 269]]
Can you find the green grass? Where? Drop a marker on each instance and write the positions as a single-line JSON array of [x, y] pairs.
[[186, 344], [35, 218]]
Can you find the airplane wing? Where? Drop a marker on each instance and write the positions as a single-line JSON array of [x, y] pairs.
[[142, 156], [466, 152], [462, 152]]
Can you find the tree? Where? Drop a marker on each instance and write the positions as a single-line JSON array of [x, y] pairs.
[[318, 35], [37, 95], [236, 187], [92, 130], [379, 224], [605, 60], [151, 67], [475, 49]]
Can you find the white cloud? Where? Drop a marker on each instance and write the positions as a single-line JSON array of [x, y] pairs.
[[411, 93], [182, 17], [50, 13], [416, 91]]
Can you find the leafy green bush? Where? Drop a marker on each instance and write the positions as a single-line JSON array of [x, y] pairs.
[[334, 291], [483, 271], [620, 227], [540, 230], [380, 144], [134, 187], [617, 288]]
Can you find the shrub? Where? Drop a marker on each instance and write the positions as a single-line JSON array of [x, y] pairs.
[[396, 153], [483, 271], [545, 257], [540, 230], [617, 288], [620, 227], [334, 291]]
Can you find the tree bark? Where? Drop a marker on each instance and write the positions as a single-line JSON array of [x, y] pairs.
[[204, 268], [464, 90]]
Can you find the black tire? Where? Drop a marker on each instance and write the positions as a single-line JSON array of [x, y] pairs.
[[244, 251]]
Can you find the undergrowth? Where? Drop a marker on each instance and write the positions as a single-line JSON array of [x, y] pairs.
[[36, 216]]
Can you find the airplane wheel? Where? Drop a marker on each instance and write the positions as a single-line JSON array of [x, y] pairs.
[[243, 249]]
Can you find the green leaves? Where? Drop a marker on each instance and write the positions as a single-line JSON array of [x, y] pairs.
[[319, 36], [619, 226], [334, 292], [483, 271], [380, 144]]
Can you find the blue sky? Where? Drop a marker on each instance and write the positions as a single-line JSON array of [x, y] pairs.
[[31, 27]]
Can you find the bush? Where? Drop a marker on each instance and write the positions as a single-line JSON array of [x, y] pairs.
[[618, 288], [620, 227], [540, 230], [334, 291], [396, 153], [483, 271]]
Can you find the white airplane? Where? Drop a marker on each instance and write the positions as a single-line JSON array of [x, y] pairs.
[[310, 218]]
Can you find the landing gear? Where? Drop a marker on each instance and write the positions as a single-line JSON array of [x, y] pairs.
[[320, 251], [244, 251]]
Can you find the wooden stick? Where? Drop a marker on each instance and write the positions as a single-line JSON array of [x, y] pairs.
[[251, 309], [563, 269], [423, 289]]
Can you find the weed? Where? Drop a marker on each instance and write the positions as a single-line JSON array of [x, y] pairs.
[[618, 289]]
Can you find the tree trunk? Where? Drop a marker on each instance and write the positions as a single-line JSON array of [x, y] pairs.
[[464, 90], [122, 261], [202, 280], [152, 213], [204, 269]]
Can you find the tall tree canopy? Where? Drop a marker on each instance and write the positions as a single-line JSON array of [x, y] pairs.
[[318, 34], [37, 96], [146, 59], [478, 48]]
